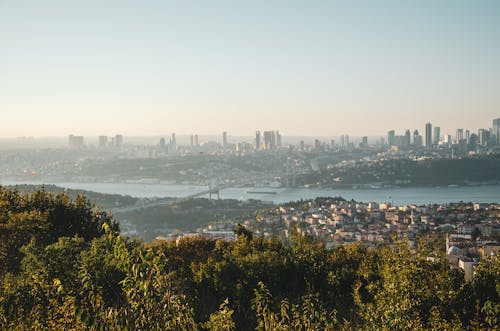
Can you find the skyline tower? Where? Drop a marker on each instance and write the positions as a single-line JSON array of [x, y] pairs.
[[269, 139], [103, 141], [194, 140], [224, 139], [407, 139], [459, 136], [428, 135], [417, 139], [257, 139], [496, 130], [391, 135], [437, 135]]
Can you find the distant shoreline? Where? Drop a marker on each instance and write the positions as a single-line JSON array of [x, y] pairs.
[[398, 195]]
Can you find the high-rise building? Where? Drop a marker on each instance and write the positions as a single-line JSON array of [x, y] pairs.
[[459, 136], [467, 136], [484, 136], [417, 139], [194, 140], [278, 139], [496, 130], [172, 148], [449, 140], [317, 145], [364, 142], [391, 135], [224, 139], [428, 135], [473, 141], [103, 141], [269, 139], [258, 142], [119, 140], [437, 135], [407, 138]]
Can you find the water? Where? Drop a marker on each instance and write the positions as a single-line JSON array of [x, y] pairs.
[[135, 190], [399, 196]]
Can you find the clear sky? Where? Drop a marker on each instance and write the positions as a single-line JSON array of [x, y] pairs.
[[302, 67]]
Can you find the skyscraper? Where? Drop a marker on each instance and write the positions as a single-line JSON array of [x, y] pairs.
[[194, 140], [483, 137], [278, 139], [269, 139], [437, 135], [428, 135], [496, 130], [473, 141], [224, 139], [407, 139], [172, 148], [103, 141], [391, 135], [317, 144], [459, 136], [257, 140], [417, 139], [449, 141]]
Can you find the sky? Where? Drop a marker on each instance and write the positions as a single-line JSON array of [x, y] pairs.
[[301, 67]]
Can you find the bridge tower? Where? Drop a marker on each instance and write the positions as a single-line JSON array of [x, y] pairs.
[[214, 173], [291, 173], [213, 188]]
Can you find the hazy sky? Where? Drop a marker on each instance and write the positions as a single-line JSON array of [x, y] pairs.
[[302, 67]]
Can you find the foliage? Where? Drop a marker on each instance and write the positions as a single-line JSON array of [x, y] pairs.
[[45, 217], [70, 279]]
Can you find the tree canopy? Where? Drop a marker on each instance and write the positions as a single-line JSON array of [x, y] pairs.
[[66, 267]]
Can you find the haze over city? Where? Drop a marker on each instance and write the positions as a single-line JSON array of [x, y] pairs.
[[250, 165], [318, 69]]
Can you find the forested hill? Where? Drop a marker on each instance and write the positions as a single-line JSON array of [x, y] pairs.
[[405, 172], [100, 199], [64, 266]]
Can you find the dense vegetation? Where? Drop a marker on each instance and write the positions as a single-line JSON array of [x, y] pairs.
[[101, 199], [65, 267], [187, 215], [430, 172]]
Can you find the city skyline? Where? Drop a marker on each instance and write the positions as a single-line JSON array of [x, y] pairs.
[[435, 132], [305, 69]]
